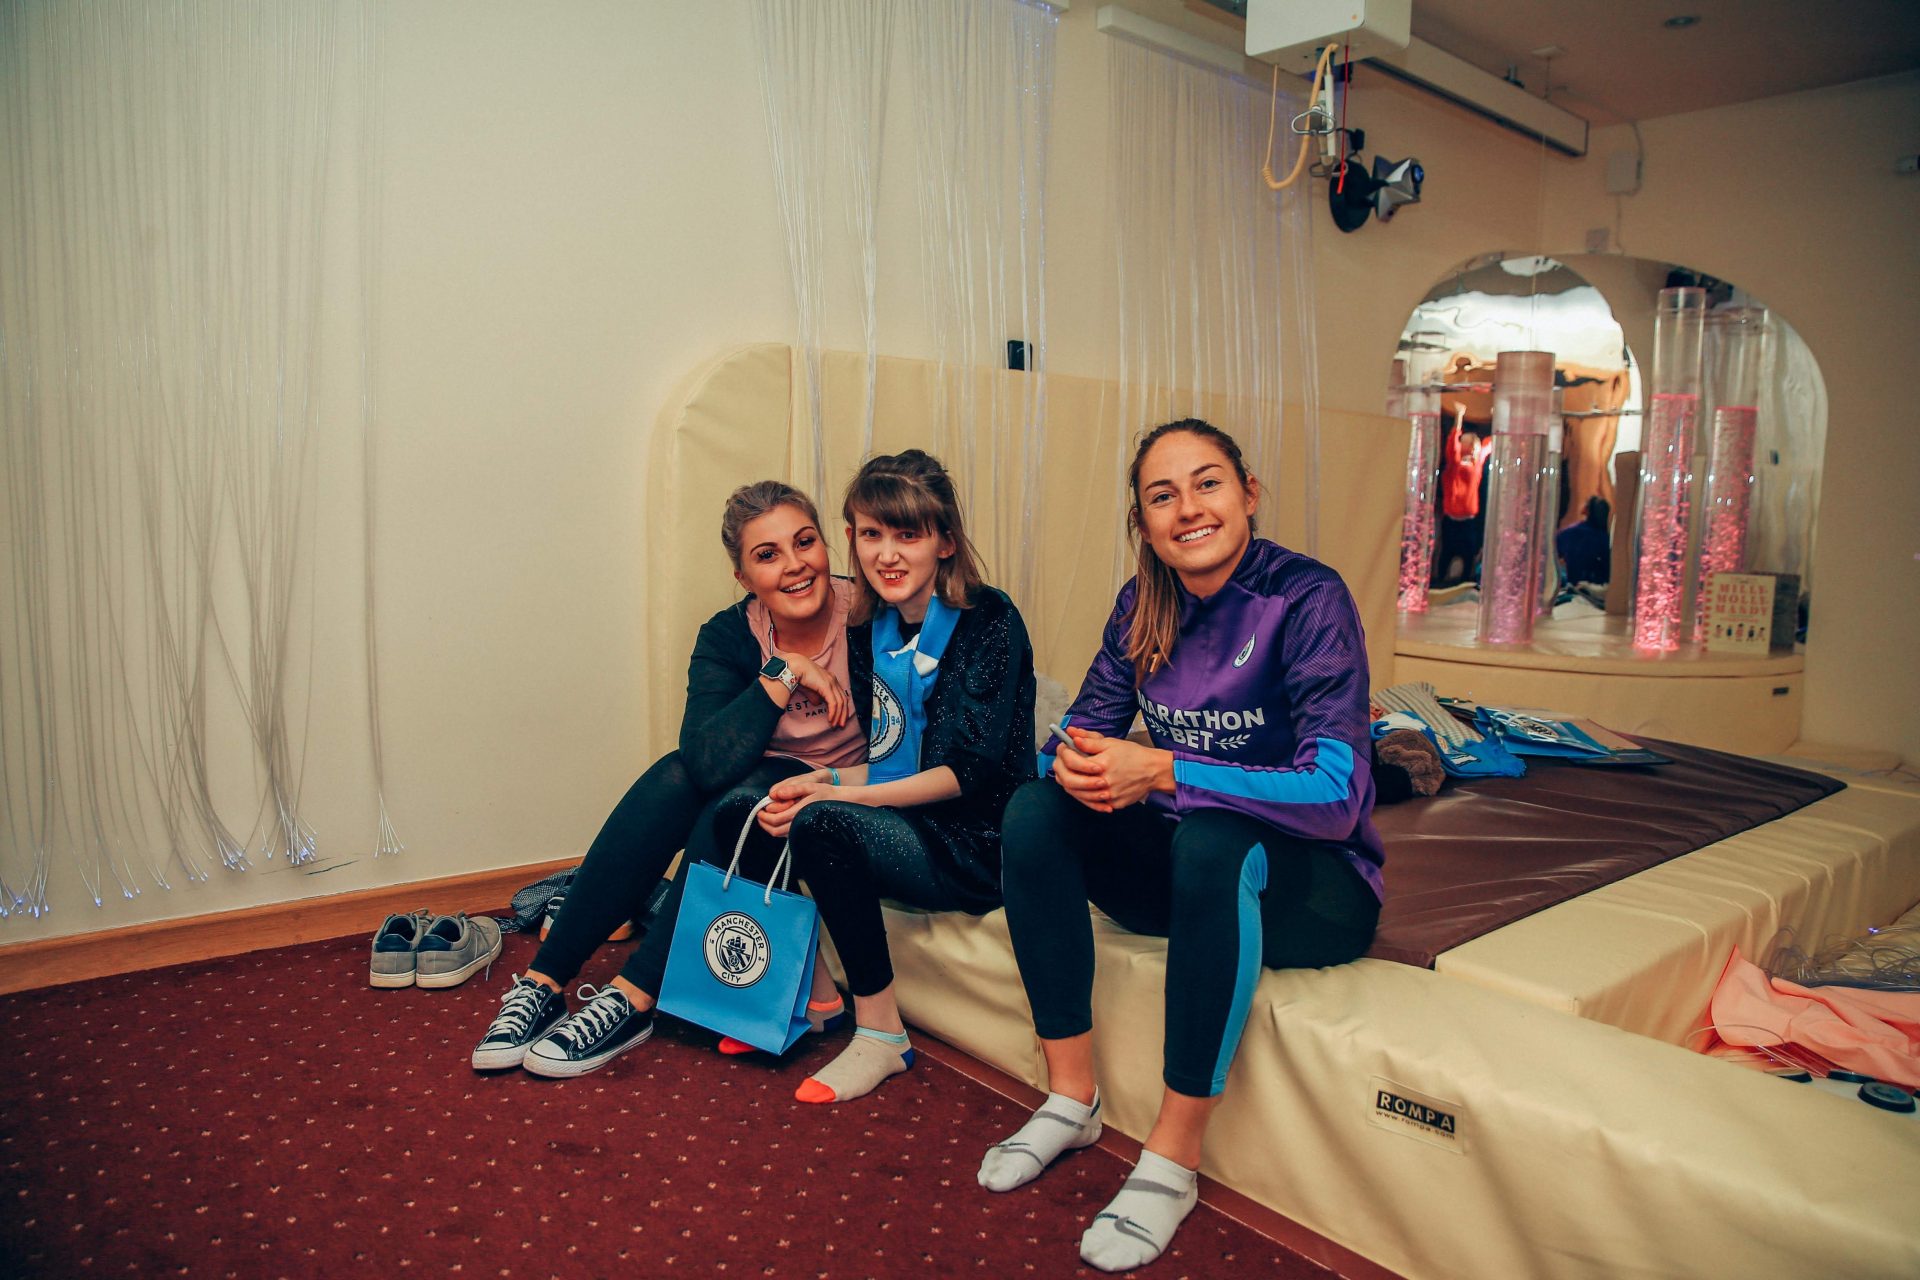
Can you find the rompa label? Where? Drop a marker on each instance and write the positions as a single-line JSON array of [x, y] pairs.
[[1417, 1115]]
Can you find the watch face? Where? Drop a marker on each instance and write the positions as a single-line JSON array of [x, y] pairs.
[[775, 668]]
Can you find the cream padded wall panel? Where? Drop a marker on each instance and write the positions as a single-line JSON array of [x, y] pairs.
[[734, 422]]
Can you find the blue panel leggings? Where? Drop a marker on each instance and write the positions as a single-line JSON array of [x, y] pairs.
[[1228, 892]]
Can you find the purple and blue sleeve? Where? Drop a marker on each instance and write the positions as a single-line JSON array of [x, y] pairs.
[[1326, 789]]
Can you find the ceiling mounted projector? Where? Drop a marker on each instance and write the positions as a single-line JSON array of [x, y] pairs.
[[1354, 193], [1291, 33]]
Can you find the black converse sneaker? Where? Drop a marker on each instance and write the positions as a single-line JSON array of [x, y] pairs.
[[603, 1029], [527, 1010]]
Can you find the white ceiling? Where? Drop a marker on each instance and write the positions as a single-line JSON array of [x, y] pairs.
[[1622, 64]]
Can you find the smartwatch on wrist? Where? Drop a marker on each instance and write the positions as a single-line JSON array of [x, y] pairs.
[[777, 669]]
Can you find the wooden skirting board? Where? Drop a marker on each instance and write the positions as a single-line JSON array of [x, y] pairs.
[[49, 962]]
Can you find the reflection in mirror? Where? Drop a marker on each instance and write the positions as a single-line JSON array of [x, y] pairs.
[[1594, 312]]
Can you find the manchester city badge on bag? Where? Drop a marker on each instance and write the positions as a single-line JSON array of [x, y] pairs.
[[743, 953]]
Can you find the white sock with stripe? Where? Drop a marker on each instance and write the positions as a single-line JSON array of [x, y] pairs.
[[1061, 1124], [1139, 1224]]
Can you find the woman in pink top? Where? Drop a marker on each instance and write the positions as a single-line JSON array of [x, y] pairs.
[[766, 700]]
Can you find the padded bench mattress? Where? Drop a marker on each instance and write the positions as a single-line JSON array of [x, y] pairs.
[[1644, 953], [1571, 1147], [1490, 851]]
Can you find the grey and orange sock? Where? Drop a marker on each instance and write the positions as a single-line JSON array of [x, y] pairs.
[[869, 1058]]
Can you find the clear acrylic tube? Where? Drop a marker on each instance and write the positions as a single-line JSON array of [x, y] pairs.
[[1549, 509], [1663, 507], [1740, 348], [1512, 558], [1419, 398]]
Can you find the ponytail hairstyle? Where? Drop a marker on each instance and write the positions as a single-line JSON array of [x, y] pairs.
[[1154, 624], [912, 490], [750, 502]]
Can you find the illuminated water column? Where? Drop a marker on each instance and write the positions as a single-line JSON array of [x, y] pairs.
[[1666, 444], [1510, 562], [1735, 371], [1420, 401]]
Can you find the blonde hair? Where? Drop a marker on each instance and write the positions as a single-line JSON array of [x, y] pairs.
[[1154, 624], [751, 501], [912, 490]]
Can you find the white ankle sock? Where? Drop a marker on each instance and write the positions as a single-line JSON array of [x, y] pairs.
[[1061, 1124], [1139, 1224]]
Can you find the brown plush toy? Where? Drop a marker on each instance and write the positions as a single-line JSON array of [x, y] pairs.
[[1405, 765]]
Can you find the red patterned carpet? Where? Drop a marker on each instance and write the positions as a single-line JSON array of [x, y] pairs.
[[270, 1115]]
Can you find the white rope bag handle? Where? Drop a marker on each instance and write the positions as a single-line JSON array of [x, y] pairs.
[[782, 867]]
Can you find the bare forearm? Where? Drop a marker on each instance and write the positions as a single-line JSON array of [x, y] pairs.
[[926, 787]]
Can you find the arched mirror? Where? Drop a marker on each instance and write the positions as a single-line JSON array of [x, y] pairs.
[[1595, 313]]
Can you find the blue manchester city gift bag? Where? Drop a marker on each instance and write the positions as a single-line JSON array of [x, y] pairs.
[[743, 953]]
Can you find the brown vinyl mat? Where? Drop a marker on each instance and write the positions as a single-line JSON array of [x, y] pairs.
[[1488, 851]]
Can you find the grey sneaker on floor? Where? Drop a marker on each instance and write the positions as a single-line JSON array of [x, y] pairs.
[[455, 948], [391, 961]]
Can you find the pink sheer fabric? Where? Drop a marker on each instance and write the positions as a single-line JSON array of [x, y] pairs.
[[1873, 1032]]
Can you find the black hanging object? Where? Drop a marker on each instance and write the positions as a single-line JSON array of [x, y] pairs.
[[1350, 195]]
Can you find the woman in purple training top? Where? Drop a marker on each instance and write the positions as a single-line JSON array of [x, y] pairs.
[[1243, 835]]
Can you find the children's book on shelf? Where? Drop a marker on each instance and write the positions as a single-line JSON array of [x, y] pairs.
[[1751, 613]]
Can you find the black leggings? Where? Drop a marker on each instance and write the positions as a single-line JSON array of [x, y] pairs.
[[661, 813], [851, 855], [1228, 892]]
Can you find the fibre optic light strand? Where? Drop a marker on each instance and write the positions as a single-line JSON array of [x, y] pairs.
[[1214, 278], [164, 410], [983, 124]]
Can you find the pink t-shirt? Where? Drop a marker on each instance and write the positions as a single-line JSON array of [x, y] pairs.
[[803, 731]]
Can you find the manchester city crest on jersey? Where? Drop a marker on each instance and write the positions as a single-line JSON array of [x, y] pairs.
[[736, 949], [889, 722]]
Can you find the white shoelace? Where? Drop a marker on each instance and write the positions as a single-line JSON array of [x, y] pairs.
[[597, 1017], [518, 1008]]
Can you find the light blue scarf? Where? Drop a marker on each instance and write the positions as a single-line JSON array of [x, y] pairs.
[[903, 676]]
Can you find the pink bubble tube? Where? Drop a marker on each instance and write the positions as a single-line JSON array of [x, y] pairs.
[[1662, 518], [1511, 559], [1511, 563], [1659, 591], [1728, 501], [1416, 525]]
